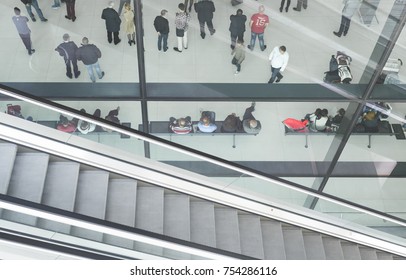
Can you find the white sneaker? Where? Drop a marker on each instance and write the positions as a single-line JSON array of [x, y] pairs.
[[236, 72]]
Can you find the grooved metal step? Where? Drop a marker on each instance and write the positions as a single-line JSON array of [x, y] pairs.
[[272, 236], [251, 236], [314, 247], [294, 243], [227, 231], [202, 223]]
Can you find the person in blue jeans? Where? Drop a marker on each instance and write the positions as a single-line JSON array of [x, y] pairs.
[[89, 54], [34, 3], [56, 5], [161, 25], [258, 23]]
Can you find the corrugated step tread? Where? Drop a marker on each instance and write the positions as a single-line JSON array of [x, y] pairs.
[[251, 236], [313, 243], [60, 191], [384, 255], [150, 209], [294, 243], [368, 253], [272, 237], [227, 230], [202, 223], [8, 153], [177, 216], [121, 207], [91, 200], [27, 182], [333, 249], [350, 251]]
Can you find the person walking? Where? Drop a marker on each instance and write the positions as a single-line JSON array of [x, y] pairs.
[[237, 27], [33, 3], [205, 10], [161, 25], [70, 10], [89, 54], [258, 23], [190, 3], [300, 4], [56, 5], [113, 22], [283, 4], [182, 24], [239, 56], [350, 7], [278, 59], [129, 23], [23, 30], [68, 51]]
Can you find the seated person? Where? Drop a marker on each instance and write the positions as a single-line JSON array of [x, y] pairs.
[[249, 123], [14, 110], [66, 125], [181, 125], [318, 121], [370, 120], [112, 117], [337, 119], [231, 124], [206, 123], [85, 127]]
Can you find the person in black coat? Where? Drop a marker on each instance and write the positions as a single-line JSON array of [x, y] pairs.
[[89, 54], [68, 51], [205, 10], [161, 25], [237, 27], [113, 22]]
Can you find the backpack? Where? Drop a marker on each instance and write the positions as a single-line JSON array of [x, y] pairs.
[[345, 74]]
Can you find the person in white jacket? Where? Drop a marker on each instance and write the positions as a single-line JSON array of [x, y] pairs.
[[278, 59], [350, 8]]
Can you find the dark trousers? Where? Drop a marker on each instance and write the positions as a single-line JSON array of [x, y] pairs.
[[300, 4], [345, 25], [70, 9], [235, 62], [283, 4], [275, 74], [235, 36], [110, 35], [190, 2], [209, 25], [27, 41], [248, 114], [162, 38], [74, 63]]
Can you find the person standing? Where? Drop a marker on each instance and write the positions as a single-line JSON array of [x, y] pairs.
[[23, 30], [350, 7], [34, 3], [205, 10], [279, 59], [258, 23], [300, 4], [122, 3], [70, 10], [89, 54], [161, 25], [68, 51], [190, 2], [56, 5], [182, 24], [237, 27], [239, 56], [283, 4], [129, 23], [113, 22]]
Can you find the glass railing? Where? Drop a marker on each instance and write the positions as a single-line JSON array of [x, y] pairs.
[[191, 165]]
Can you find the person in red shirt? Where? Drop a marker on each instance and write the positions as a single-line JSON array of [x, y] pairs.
[[258, 23]]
